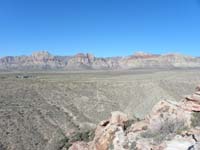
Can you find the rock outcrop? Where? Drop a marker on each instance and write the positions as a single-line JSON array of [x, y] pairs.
[[45, 61], [192, 102], [169, 126]]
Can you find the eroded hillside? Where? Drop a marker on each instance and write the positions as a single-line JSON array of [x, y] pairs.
[[38, 110]]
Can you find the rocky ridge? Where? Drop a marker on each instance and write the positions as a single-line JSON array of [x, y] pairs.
[[169, 126], [45, 61]]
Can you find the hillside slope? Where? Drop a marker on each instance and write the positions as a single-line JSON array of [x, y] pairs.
[[38, 110]]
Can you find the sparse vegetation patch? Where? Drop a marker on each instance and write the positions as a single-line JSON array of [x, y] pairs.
[[168, 127], [85, 136], [195, 119]]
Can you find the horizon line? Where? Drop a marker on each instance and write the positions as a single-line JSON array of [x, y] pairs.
[[134, 53]]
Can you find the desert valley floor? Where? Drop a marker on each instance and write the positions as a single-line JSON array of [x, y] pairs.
[[37, 110]]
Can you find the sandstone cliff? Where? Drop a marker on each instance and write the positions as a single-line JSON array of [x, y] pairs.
[[45, 61]]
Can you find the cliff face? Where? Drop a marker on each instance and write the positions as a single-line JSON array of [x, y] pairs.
[[45, 61], [169, 126]]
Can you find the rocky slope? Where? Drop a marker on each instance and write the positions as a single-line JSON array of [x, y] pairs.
[[169, 126], [40, 111], [45, 61]]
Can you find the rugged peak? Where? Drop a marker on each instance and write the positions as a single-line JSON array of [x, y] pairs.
[[90, 57], [177, 55], [87, 61], [82, 58], [41, 54], [84, 55], [140, 54]]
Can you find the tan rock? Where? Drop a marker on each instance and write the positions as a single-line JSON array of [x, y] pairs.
[[118, 118], [145, 144], [103, 139], [108, 130], [104, 123], [79, 146], [120, 140], [194, 97], [139, 126], [191, 106], [165, 111], [198, 92], [192, 102], [165, 116]]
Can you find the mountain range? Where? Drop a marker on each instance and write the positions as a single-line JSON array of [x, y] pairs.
[[43, 60]]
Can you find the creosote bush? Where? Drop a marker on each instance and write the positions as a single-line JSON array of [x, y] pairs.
[[168, 127], [65, 142], [195, 119], [82, 136], [85, 136]]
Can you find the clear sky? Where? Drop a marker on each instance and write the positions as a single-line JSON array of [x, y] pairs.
[[101, 27]]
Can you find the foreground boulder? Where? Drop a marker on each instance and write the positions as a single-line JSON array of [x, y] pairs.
[[107, 132], [79, 145], [192, 102], [169, 126]]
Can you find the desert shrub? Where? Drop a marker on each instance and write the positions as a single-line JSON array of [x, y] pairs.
[[79, 136], [2, 77], [133, 146], [111, 146], [180, 130], [83, 136], [168, 127], [2, 147], [195, 119], [64, 140], [65, 143]]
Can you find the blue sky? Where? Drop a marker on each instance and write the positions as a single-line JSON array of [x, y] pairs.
[[101, 27]]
